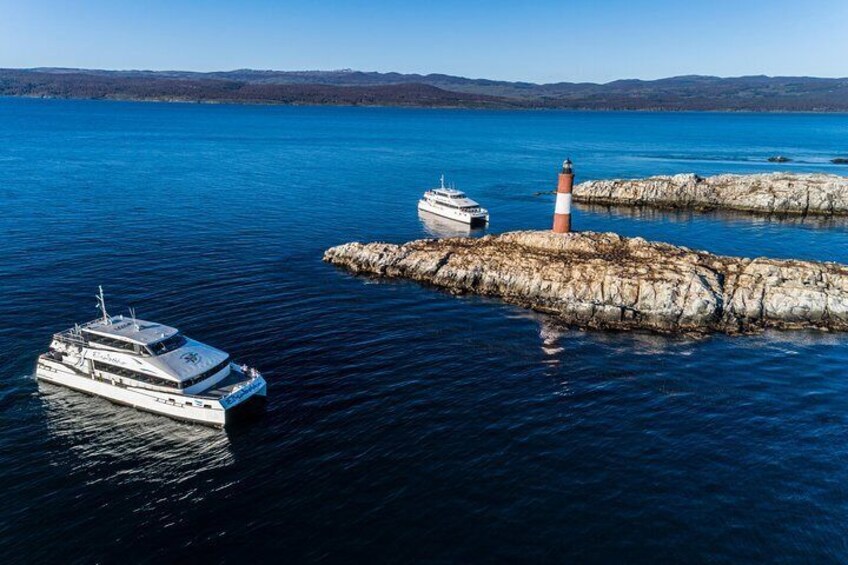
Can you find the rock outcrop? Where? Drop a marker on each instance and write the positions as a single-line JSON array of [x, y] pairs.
[[774, 193], [602, 280]]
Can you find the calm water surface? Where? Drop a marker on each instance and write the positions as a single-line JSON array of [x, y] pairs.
[[402, 423]]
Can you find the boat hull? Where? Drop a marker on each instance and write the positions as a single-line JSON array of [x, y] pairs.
[[456, 215], [187, 408]]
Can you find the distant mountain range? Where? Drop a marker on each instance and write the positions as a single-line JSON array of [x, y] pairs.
[[346, 87]]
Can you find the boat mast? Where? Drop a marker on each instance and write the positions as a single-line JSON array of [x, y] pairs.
[[101, 302], [442, 178]]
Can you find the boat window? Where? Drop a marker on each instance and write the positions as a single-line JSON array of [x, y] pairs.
[[205, 374], [134, 375], [166, 345], [110, 342], [157, 381]]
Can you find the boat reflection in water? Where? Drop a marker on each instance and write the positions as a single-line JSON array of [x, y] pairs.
[[135, 446], [438, 226]]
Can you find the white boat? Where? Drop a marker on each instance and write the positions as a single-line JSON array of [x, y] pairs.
[[152, 367], [454, 205]]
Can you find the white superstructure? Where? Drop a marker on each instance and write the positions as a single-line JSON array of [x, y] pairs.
[[150, 366], [453, 204]]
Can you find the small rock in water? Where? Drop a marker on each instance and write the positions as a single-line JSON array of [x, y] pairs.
[[840, 161], [779, 159]]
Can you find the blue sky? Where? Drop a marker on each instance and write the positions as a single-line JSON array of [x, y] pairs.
[[543, 41]]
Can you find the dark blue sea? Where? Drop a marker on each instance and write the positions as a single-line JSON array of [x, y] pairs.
[[403, 424]]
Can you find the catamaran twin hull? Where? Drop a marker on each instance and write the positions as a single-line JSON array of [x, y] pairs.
[[473, 220], [234, 394], [215, 409]]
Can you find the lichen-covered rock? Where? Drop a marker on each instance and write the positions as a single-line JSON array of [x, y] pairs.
[[602, 280], [775, 193]]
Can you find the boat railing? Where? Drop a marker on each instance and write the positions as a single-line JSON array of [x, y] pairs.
[[248, 372], [74, 335], [70, 337], [233, 396]]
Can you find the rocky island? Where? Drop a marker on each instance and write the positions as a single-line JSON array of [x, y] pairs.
[[605, 281], [773, 193]]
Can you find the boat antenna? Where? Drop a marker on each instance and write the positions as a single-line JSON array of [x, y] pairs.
[[442, 178], [101, 303], [132, 315]]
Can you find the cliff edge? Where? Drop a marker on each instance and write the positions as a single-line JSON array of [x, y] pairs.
[[605, 281]]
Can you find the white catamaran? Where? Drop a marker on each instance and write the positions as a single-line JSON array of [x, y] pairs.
[[152, 367], [453, 204]]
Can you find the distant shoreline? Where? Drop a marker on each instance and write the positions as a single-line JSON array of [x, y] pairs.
[[224, 102], [277, 88]]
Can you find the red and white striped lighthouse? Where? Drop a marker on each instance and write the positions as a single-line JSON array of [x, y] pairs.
[[562, 213]]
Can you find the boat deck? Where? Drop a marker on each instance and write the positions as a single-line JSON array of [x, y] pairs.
[[226, 386]]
